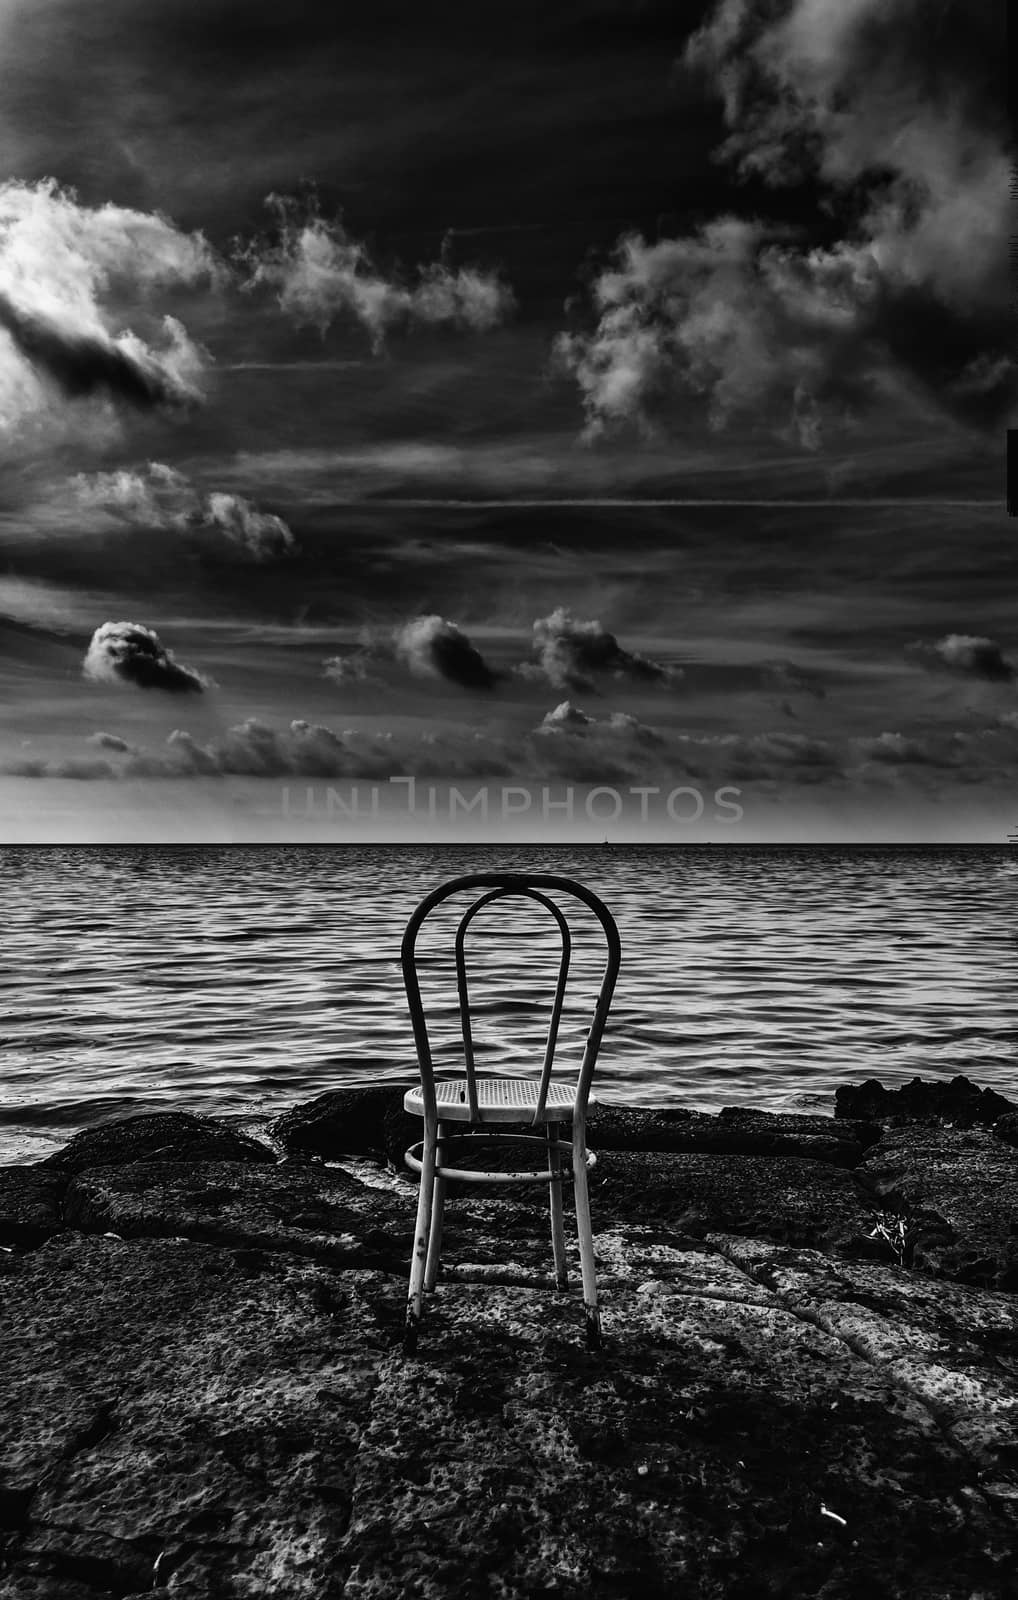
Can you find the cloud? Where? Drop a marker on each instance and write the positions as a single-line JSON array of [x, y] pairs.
[[84, 364], [432, 647], [571, 653], [569, 745], [161, 497], [786, 677], [569, 719], [427, 646], [894, 116], [895, 749], [966, 654], [254, 749], [70, 277], [127, 652], [565, 717], [356, 668], [770, 755], [731, 315], [321, 274]]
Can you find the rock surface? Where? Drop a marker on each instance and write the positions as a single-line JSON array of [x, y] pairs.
[[30, 1205], [349, 1122], [964, 1185], [157, 1136], [959, 1101], [204, 1395], [366, 1122], [840, 1142]]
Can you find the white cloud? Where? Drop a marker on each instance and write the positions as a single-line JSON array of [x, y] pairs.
[[128, 652], [161, 497], [321, 274], [79, 313], [969, 655], [571, 654], [896, 121], [433, 647]]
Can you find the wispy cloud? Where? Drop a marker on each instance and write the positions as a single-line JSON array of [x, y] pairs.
[[898, 123], [162, 497], [321, 273]]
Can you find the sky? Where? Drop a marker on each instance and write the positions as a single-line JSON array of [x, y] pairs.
[[453, 421]]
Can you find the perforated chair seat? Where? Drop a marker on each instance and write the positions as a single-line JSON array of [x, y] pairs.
[[498, 1100]]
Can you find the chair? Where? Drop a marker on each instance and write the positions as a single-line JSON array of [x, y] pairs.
[[483, 1106]]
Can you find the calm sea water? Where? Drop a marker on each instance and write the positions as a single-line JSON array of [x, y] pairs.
[[240, 980]]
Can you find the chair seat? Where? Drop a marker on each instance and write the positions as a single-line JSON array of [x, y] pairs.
[[498, 1100]]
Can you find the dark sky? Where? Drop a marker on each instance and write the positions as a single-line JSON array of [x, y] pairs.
[[527, 254]]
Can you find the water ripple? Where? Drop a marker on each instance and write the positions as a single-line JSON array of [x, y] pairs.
[[238, 980]]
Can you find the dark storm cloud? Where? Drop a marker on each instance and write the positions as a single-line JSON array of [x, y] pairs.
[[968, 655], [571, 654], [898, 118], [83, 364], [127, 652]]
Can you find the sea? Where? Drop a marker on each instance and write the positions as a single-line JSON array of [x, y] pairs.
[[238, 981]]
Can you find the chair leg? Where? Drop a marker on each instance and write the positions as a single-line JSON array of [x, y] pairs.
[[558, 1232], [435, 1234], [585, 1237], [422, 1233]]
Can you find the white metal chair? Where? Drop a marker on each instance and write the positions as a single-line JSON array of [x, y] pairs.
[[483, 1104]]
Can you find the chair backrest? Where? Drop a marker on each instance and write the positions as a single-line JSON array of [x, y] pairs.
[[497, 886]]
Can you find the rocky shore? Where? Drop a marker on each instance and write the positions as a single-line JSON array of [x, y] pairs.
[[809, 1385]]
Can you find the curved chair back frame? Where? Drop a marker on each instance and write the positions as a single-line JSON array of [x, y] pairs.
[[499, 886]]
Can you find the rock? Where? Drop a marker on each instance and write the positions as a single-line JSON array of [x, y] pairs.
[[784, 1198], [238, 1423], [178, 1413], [959, 1102], [371, 1121], [853, 1130], [294, 1207], [712, 1452], [30, 1202], [1006, 1128], [160, 1135], [350, 1122], [747, 1133], [954, 1348], [965, 1184]]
